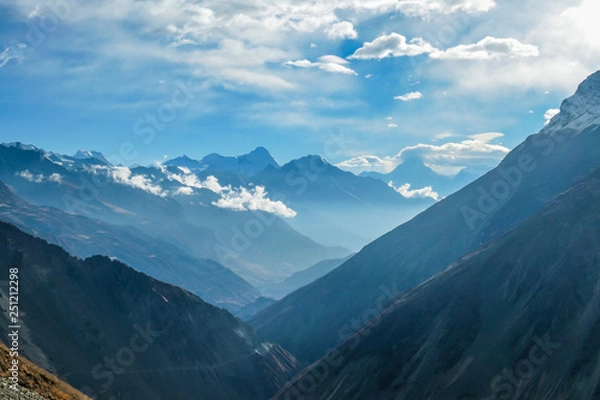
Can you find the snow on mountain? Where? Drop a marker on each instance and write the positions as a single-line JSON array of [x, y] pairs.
[[90, 154], [248, 164], [580, 110]]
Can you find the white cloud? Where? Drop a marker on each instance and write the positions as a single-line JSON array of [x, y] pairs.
[[190, 180], [566, 34], [476, 151], [409, 96], [39, 178], [327, 63], [184, 190], [254, 199], [392, 126], [55, 177], [423, 193], [367, 163], [443, 136], [30, 177], [341, 30], [333, 60], [551, 113], [237, 199], [488, 48], [427, 8], [486, 137], [392, 45], [123, 176]]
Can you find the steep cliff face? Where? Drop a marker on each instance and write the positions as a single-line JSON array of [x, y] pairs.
[[518, 318], [102, 326]]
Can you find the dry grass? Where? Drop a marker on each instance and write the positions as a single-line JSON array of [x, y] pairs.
[[38, 380]]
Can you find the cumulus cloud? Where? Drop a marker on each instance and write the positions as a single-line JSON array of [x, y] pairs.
[[392, 125], [488, 48], [30, 177], [184, 190], [341, 30], [236, 199], [39, 178], [254, 199], [124, 176], [423, 193], [327, 63], [551, 113], [427, 8], [409, 96], [392, 45], [476, 151], [55, 177]]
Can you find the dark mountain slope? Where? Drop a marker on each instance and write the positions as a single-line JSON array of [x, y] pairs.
[[517, 319], [319, 316], [99, 324], [304, 277], [84, 237]]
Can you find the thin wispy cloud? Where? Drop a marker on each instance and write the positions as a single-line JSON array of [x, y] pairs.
[[329, 63], [409, 96], [488, 48]]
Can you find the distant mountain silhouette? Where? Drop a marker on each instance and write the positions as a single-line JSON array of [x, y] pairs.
[[530, 176]]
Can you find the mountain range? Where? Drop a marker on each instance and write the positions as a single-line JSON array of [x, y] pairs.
[[85, 237], [517, 318], [414, 172], [492, 292], [253, 242], [109, 330], [321, 315]]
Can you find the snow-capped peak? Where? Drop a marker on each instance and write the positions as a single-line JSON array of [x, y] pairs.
[[580, 110], [88, 154]]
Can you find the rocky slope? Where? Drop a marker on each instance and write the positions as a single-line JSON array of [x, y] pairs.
[[319, 316], [518, 318], [84, 237], [109, 330]]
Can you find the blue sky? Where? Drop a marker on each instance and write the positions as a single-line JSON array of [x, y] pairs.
[[364, 83]]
